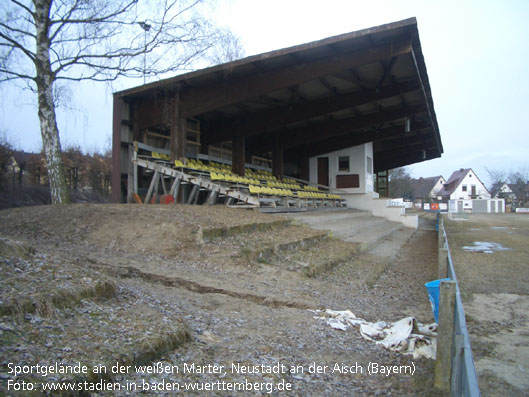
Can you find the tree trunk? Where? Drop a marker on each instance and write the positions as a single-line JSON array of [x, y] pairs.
[[52, 147], [48, 122]]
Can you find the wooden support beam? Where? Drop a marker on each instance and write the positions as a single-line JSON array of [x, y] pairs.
[[445, 336], [197, 195], [203, 99], [305, 166], [357, 138], [212, 197], [163, 184], [257, 123], [156, 186], [193, 194], [238, 155], [177, 130], [420, 67], [117, 117], [130, 174], [151, 187], [277, 158], [175, 187], [322, 131], [135, 167]]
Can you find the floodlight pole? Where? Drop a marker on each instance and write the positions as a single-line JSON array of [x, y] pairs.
[[146, 27]]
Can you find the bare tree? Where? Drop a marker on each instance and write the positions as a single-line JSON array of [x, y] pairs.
[[400, 184], [47, 42], [496, 178], [6, 156], [519, 184]]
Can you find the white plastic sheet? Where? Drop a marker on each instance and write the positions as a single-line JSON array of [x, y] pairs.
[[405, 336]]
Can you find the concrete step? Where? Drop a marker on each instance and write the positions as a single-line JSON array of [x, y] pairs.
[[351, 226]]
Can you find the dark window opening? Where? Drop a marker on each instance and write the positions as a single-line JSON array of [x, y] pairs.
[[343, 163]]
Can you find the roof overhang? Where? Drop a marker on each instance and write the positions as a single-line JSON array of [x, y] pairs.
[[366, 86]]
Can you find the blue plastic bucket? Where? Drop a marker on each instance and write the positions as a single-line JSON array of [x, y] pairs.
[[433, 288]]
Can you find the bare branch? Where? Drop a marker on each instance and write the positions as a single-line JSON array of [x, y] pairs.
[[15, 30], [11, 75], [27, 9], [15, 44]]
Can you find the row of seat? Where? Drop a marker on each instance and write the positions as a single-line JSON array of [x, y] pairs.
[[318, 195], [270, 191], [289, 193], [260, 174], [160, 156], [223, 172], [283, 185], [215, 176]]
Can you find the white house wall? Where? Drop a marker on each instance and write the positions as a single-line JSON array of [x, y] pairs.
[[490, 206], [469, 180], [359, 157]]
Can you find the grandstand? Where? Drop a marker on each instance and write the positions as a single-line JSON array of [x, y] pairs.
[[194, 181], [314, 125]]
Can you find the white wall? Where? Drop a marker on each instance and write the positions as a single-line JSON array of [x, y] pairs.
[[499, 205], [379, 207], [469, 180], [358, 164]]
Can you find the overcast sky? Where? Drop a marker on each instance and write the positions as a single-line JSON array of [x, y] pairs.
[[476, 53]]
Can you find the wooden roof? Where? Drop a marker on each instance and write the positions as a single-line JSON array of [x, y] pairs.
[[316, 97]]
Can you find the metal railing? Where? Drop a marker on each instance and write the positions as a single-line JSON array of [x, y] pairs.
[[464, 380]]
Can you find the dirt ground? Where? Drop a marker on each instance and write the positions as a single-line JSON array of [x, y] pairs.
[[100, 284], [494, 280]]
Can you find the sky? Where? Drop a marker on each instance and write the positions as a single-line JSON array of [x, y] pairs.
[[476, 53]]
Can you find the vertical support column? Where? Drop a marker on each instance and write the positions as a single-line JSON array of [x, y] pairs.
[[130, 174], [445, 336], [178, 129], [277, 158], [116, 148], [238, 154], [305, 166], [135, 167]]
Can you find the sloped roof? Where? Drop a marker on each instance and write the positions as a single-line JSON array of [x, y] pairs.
[[516, 191], [423, 186], [496, 188], [22, 157], [453, 182]]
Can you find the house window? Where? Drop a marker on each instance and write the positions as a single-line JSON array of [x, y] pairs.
[[343, 163], [369, 165], [464, 188]]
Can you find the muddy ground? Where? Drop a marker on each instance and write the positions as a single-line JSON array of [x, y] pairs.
[[491, 258], [100, 284]]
